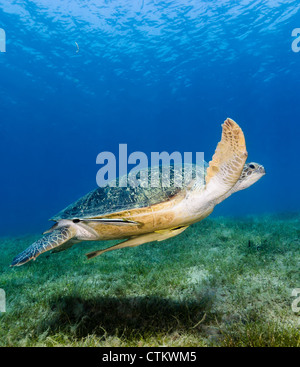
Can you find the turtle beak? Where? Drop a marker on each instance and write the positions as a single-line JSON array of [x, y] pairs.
[[262, 170]]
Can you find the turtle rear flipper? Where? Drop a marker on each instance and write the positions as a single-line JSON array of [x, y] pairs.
[[50, 241]]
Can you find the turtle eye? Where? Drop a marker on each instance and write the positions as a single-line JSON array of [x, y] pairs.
[[251, 166]]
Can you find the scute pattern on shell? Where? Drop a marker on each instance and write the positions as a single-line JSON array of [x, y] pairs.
[[111, 199]]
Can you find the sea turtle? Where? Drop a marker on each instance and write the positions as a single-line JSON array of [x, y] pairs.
[[144, 214]]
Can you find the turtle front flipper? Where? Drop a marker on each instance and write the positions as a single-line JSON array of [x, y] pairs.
[[50, 241], [227, 163]]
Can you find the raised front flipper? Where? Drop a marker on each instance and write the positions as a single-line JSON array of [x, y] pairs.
[[227, 164], [50, 241]]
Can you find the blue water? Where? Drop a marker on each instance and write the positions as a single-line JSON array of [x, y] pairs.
[[81, 77]]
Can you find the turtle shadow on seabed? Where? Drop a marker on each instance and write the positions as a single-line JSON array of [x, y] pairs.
[[127, 317]]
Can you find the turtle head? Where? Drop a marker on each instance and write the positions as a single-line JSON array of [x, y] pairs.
[[251, 173]]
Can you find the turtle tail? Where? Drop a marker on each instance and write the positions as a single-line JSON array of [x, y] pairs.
[[54, 239]]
